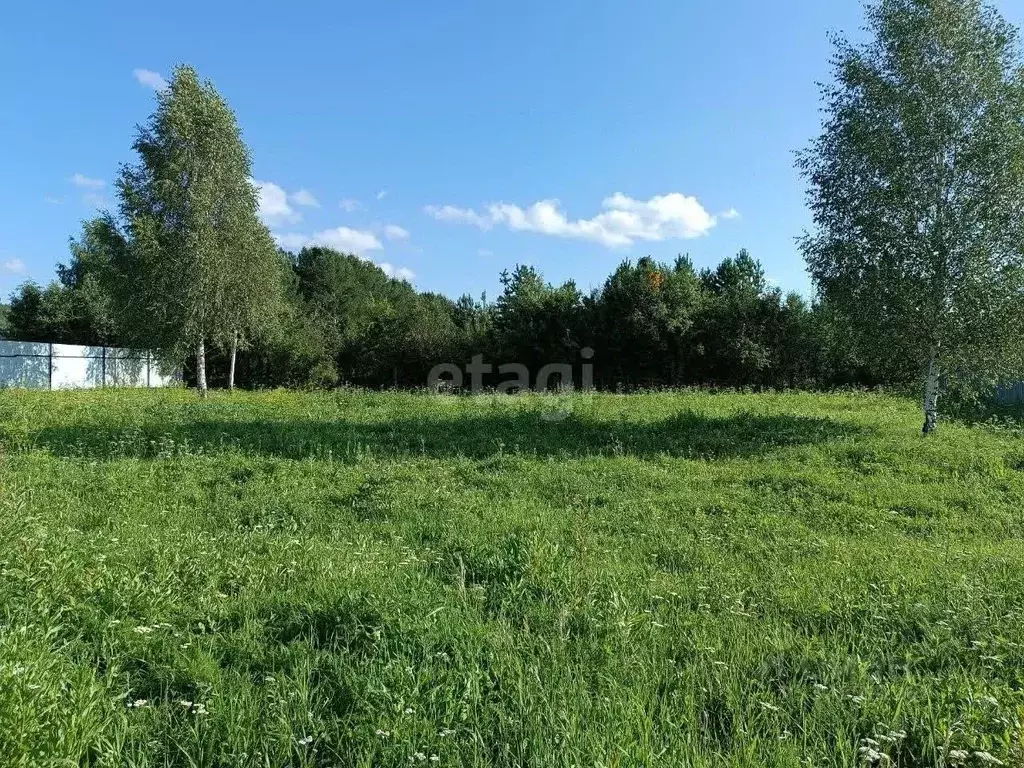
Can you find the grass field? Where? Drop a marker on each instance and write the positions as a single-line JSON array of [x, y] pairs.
[[355, 579]]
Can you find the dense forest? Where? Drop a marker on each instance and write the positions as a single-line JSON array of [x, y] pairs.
[[345, 321]]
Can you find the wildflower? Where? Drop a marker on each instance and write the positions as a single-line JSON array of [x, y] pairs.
[[445, 733], [139, 703], [986, 757], [820, 688], [409, 710], [383, 734], [305, 741], [958, 755], [435, 759], [872, 756], [417, 757], [143, 630]]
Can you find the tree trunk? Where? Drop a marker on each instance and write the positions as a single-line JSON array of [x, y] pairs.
[[931, 394], [201, 368], [231, 370]]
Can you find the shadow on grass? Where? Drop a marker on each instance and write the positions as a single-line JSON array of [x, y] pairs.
[[685, 434]]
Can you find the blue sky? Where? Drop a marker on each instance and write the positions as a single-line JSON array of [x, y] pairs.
[[445, 140]]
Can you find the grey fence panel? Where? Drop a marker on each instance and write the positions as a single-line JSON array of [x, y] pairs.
[[76, 367], [1010, 394], [123, 371], [24, 364], [33, 365], [24, 348]]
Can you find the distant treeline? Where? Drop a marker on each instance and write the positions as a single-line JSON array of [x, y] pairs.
[[346, 322]]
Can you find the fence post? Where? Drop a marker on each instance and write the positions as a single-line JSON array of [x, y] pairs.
[[49, 368], [103, 373], [149, 367]]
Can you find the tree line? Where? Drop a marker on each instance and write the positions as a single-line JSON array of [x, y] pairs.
[[342, 320]]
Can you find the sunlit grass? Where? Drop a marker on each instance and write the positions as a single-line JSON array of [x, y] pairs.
[[367, 579]]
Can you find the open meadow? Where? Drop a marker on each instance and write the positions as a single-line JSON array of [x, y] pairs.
[[360, 579]]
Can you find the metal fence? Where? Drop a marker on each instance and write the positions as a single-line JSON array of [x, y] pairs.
[[1010, 394], [38, 365]]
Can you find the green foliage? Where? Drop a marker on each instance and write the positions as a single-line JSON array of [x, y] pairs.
[[535, 323], [201, 266], [352, 578], [916, 187]]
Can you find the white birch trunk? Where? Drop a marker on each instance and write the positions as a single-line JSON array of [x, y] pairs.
[[201, 368], [231, 370], [931, 394]]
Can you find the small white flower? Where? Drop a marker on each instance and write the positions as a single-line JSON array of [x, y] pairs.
[[139, 703], [418, 757], [143, 630], [872, 756], [958, 755], [185, 703], [305, 740], [435, 759], [445, 733], [383, 734], [820, 688], [409, 710]]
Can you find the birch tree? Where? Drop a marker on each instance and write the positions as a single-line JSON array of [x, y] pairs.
[[256, 304], [916, 185], [198, 249]]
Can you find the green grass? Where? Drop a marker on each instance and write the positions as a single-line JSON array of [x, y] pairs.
[[355, 579]]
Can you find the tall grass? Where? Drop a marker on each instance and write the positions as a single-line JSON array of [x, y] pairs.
[[358, 579]]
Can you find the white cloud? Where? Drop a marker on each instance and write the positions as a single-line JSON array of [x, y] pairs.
[[304, 197], [350, 205], [340, 238], [150, 79], [15, 266], [732, 213], [53, 200], [81, 180], [273, 204], [622, 222], [382, 194], [461, 215], [399, 273], [395, 232]]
